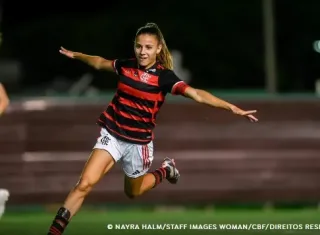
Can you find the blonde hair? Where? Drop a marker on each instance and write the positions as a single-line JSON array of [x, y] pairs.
[[164, 57]]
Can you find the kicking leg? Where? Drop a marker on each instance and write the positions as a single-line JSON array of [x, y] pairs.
[[99, 163], [137, 186], [134, 187]]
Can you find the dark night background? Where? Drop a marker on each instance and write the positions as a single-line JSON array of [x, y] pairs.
[[222, 41]]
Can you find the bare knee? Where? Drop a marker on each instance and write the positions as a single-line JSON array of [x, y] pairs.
[[84, 185]]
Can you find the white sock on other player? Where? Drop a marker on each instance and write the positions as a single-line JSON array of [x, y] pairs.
[[4, 197]]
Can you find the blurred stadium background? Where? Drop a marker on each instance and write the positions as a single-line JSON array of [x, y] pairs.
[[259, 54]]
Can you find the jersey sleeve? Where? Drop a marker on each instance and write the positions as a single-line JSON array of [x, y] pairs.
[[169, 82], [117, 64]]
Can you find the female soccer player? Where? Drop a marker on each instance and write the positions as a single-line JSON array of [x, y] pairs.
[[127, 124], [4, 99]]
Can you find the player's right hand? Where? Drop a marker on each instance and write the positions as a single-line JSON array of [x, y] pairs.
[[67, 53]]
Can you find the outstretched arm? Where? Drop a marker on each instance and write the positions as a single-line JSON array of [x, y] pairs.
[[205, 97], [4, 99], [170, 83], [96, 62]]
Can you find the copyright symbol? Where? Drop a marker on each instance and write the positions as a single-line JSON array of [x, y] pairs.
[[109, 226]]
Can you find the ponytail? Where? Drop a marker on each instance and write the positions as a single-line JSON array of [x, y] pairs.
[[164, 57]]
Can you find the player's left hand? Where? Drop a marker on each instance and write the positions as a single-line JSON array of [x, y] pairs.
[[247, 114]]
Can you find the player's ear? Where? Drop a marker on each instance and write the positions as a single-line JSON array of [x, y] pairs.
[[159, 48]]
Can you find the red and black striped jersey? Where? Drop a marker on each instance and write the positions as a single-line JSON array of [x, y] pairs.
[[131, 115]]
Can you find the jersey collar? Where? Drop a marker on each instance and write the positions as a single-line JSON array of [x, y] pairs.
[[153, 68]]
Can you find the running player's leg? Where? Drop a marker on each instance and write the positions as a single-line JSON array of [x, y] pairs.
[[136, 164], [4, 196], [99, 163], [101, 160]]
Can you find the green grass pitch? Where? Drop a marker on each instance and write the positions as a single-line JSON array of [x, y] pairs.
[[96, 223]]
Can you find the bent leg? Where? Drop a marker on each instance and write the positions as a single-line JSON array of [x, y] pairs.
[[136, 164], [99, 163], [103, 157], [134, 187]]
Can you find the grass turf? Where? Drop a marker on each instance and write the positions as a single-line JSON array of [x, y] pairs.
[[96, 223]]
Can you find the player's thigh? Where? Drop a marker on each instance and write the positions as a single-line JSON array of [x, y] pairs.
[[136, 163], [104, 155], [99, 162], [109, 144]]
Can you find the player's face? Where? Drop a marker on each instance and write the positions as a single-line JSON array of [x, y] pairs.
[[146, 49]]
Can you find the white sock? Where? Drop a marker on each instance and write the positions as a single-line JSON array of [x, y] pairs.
[[4, 197]]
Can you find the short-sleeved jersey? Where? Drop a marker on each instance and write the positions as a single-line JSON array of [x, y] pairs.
[[131, 115]]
